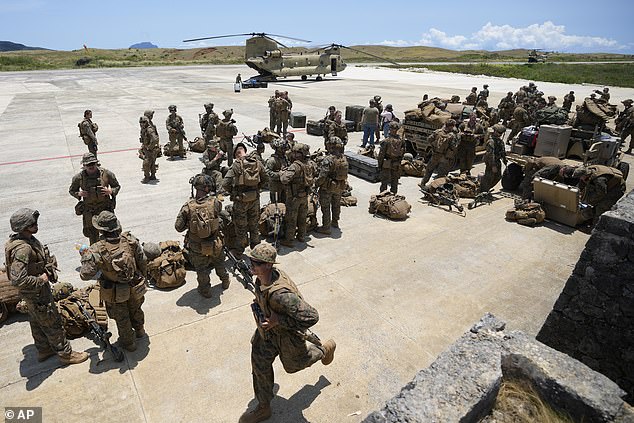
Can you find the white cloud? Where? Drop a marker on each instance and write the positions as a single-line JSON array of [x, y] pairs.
[[394, 43], [547, 36]]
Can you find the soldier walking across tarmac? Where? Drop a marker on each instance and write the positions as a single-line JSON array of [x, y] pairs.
[[444, 142], [471, 132], [332, 180], [243, 181], [150, 148], [200, 216], [96, 188], [176, 130], [226, 130], [30, 268], [495, 153], [298, 179], [391, 153], [122, 285], [283, 319], [87, 132]]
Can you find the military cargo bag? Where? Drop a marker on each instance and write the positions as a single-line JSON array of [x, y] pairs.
[[390, 205], [525, 213], [249, 175], [168, 269], [349, 201], [198, 145]]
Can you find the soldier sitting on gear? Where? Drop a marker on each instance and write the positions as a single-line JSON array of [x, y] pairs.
[[411, 167], [176, 130], [201, 216], [282, 323], [391, 153], [150, 148], [96, 188], [332, 181], [600, 187], [123, 265], [472, 97], [243, 181], [87, 131], [28, 269], [226, 130]]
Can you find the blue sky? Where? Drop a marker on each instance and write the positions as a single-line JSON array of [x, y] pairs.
[[567, 26]]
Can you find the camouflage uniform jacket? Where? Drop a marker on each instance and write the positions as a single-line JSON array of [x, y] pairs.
[[338, 130], [26, 260], [298, 177], [207, 119], [174, 124], [283, 298], [391, 152], [520, 115], [471, 99], [231, 181], [274, 165], [93, 259], [333, 172], [212, 159], [470, 134], [83, 181], [184, 218], [226, 130], [149, 139], [87, 130], [281, 107], [443, 141], [494, 150], [507, 103]]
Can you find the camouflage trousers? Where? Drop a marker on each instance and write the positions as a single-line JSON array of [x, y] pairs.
[[246, 215], [203, 266], [226, 145], [277, 192], [281, 125], [516, 128], [330, 200], [439, 164], [272, 120], [92, 146], [492, 175], [128, 315], [149, 163], [176, 140], [46, 328], [295, 218], [629, 132], [294, 353], [390, 176], [466, 156]]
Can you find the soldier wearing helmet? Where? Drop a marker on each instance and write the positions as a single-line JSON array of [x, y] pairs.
[[444, 142], [200, 216], [604, 95], [298, 180], [149, 150], [123, 266], [551, 101], [176, 130], [244, 180], [484, 93], [495, 153], [273, 166], [272, 110], [331, 181], [96, 188], [625, 124], [87, 132], [212, 159], [337, 128], [568, 100], [472, 97], [149, 114], [600, 187], [208, 122], [225, 131], [506, 107], [391, 153], [281, 326], [471, 134], [30, 268]]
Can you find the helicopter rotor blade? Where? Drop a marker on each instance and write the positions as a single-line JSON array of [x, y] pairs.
[[217, 36], [275, 41], [288, 38], [369, 54]]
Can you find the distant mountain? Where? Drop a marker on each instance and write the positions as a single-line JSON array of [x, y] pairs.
[[145, 44], [9, 46]]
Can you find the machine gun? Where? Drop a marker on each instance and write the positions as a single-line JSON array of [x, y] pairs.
[[481, 198], [443, 197], [240, 267], [181, 130], [101, 334]]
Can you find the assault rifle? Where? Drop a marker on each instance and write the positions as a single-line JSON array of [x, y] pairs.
[[442, 198], [278, 224], [181, 130], [309, 335], [481, 198], [101, 334], [249, 140], [242, 268]]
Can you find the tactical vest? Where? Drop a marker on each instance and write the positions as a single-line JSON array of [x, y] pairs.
[[283, 283], [600, 170], [394, 149], [90, 184], [118, 259], [442, 141], [340, 168], [150, 142], [82, 127], [203, 221], [168, 269], [38, 257], [303, 180]]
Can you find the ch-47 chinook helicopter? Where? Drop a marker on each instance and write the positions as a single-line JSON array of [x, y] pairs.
[[537, 55], [263, 54]]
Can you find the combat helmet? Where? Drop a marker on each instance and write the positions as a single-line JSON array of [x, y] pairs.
[[144, 120], [498, 128], [149, 114], [627, 101], [62, 290], [394, 126], [23, 218], [202, 182], [228, 113], [171, 108], [152, 250], [264, 252], [408, 156], [209, 106], [302, 149], [239, 145]]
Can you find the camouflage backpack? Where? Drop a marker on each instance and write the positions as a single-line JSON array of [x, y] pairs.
[[168, 269], [203, 222], [389, 205], [248, 172], [73, 320], [268, 215], [198, 145], [526, 213]]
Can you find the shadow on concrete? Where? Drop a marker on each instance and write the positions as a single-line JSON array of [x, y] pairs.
[[559, 227], [291, 410], [14, 317], [35, 372], [199, 303], [107, 362]]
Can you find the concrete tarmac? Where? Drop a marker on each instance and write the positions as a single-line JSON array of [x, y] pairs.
[[392, 294]]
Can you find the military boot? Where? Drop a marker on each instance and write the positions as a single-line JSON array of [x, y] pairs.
[[324, 230], [288, 243], [140, 332], [131, 347], [45, 355], [74, 357], [334, 223], [205, 291], [145, 180], [261, 413], [153, 177], [329, 352]]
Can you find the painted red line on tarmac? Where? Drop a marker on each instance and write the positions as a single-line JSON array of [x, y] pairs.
[[43, 159]]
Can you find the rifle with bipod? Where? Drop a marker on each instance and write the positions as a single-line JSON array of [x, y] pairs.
[[481, 198], [239, 266], [442, 197], [102, 335]]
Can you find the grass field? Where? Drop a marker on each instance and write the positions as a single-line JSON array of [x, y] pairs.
[[612, 74]]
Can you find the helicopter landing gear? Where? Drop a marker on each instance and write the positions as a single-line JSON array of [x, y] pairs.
[[304, 77], [319, 78]]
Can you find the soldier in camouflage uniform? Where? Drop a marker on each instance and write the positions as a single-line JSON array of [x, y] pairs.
[[212, 159], [625, 124], [273, 166], [96, 188], [298, 180], [281, 109], [337, 128], [30, 268], [328, 119], [149, 149], [444, 142], [149, 114], [506, 107], [568, 100], [332, 180], [243, 181], [201, 216], [176, 130], [495, 154], [208, 122], [391, 153], [471, 133], [600, 186], [281, 330], [272, 112], [472, 97], [87, 131], [484, 94], [519, 121], [123, 265], [226, 130]]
